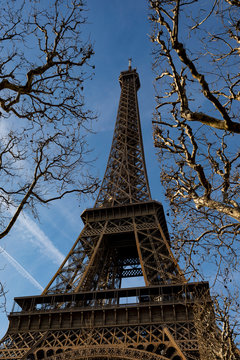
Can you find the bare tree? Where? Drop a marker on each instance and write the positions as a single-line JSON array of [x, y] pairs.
[[44, 63], [196, 132], [201, 174], [216, 331], [214, 31]]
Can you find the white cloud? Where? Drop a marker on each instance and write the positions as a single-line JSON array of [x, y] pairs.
[[20, 269]]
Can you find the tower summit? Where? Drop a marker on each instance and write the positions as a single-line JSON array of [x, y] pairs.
[[84, 311], [125, 180]]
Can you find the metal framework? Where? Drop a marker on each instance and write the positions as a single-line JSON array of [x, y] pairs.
[[84, 313]]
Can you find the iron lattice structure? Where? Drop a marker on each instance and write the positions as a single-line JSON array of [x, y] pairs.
[[84, 313]]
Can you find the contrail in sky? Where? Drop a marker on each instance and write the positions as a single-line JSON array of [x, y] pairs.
[[35, 235], [20, 269], [39, 238]]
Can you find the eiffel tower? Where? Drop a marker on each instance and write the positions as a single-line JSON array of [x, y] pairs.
[[84, 312]]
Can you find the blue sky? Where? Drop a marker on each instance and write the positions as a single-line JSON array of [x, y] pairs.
[[34, 249]]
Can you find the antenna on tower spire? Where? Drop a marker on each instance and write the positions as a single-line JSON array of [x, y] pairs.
[[129, 63]]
